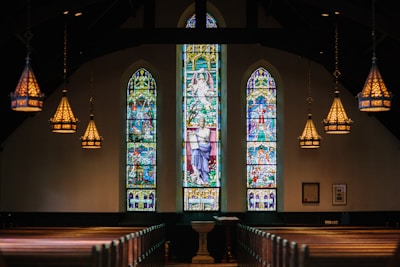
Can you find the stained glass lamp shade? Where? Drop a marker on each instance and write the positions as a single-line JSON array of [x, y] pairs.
[[374, 97], [310, 137], [337, 121], [27, 96], [91, 138], [63, 120]]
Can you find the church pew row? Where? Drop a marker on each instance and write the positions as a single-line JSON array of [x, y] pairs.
[[316, 246], [83, 247]]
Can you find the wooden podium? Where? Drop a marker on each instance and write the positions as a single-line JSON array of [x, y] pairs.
[[228, 223]]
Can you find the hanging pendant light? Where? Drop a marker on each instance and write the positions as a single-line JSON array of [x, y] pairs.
[[374, 96], [64, 120], [27, 96], [337, 121], [91, 138], [310, 137]]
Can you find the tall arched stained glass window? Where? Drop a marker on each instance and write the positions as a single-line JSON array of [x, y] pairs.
[[141, 108], [201, 123], [261, 141]]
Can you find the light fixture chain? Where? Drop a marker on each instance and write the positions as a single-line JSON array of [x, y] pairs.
[[65, 53], [28, 34], [373, 30], [336, 73], [309, 98], [91, 91]]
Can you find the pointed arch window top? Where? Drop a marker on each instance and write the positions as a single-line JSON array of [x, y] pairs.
[[261, 79], [142, 80], [210, 23]]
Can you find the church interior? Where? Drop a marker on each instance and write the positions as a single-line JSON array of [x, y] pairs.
[[154, 120]]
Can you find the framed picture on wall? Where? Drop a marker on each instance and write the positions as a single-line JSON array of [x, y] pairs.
[[310, 192], [339, 194]]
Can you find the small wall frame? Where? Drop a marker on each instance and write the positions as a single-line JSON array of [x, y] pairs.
[[310, 192], [339, 194]]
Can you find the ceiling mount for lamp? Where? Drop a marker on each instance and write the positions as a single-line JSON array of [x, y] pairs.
[[27, 96], [374, 96], [337, 121], [64, 120]]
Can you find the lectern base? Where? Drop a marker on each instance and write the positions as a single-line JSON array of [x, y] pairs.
[[203, 227], [202, 259]]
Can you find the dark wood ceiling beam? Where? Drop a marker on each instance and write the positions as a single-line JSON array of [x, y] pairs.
[[251, 14], [149, 14], [200, 10], [359, 14], [214, 35]]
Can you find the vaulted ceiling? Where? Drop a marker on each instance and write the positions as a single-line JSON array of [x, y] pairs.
[[303, 31]]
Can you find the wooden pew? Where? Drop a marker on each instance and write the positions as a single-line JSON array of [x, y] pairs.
[[316, 246], [82, 247], [340, 246]]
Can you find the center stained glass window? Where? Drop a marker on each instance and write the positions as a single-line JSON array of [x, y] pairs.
[[201, 123]]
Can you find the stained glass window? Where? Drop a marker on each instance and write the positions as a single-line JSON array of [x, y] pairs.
[[141, 152], [261, 141], [201, 123]]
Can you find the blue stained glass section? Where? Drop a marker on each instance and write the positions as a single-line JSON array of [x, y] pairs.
[[261, 141], [141, 141]]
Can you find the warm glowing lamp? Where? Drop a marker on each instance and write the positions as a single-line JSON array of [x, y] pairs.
[[27, 96], [91, 138], [337, 121], [374, 96], [64, 120], [310, 137]]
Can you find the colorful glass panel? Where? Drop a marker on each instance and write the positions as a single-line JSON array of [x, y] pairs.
[[261, 141], [141, 200], [261, 199], [201, 199], [141, 146], [201, 123]]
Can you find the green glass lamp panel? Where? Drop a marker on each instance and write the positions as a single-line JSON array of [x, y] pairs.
[[141, 141], [261, 141]]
